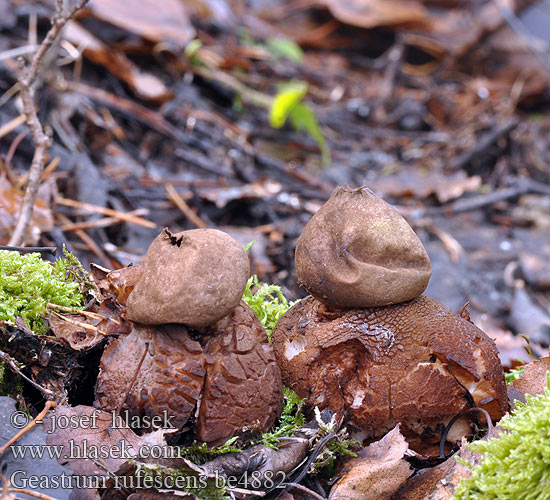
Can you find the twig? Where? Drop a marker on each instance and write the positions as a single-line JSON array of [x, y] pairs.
[[50, 250], [177, 200], [13, 365], [47, 171], [103, 222], [38, 418], [523, 186], [26, 78], [81, 312], [246, 93], [79, 324], [307, 491], [88, 241], [18, 51], [123, 216], [12, 125], [394, 58], [32, 493], [485, 142]]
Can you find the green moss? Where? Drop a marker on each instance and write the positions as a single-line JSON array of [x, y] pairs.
[[516, 464], [267, 302], [28, 284], [10, 383], [290, 421], [200, 453], [184, 479]]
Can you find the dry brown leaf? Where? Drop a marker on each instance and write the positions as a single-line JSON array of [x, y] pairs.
[[512, 349], [10, 204], [145, 85], [533, 379], [373, 13], [377, 472], [407, 182], [87, 436], [147, 19], [83, 331], [439, 482]]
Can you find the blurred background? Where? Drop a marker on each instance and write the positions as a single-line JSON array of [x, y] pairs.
[[244, 116]]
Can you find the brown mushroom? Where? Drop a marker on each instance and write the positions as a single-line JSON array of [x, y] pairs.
[[226, 376], [194, 278], [416, 363], [357, 251]]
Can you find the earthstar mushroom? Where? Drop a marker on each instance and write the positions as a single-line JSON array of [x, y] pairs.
[[366, 343], [193, 278], [357, 251], [193, 353], [416, 363]]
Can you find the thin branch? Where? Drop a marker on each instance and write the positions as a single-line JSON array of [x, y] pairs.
[[6, 358], [27, 76], [49, 405]]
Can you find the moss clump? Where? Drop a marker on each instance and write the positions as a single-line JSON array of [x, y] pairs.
[[516, 464], [28, 284], [11, 384], [200, 453], [267, 302], [289, 423]]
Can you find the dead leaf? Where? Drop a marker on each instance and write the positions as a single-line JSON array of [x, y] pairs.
[[10, 204], [511, 348], [89, 328], [88, 434], [533, 379], [377, 472], [407, 182], [439, 482], [145, 18], [262, 188], [145, 85], [259, 459], [373, 13]]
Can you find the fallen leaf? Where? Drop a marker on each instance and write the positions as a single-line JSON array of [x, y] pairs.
[[439, 482], [145, 18], [377, 472], [533, 379], [93, 435], [373, 13], [407, 182], [10, 204], [512, 349], [85, 330], [145, 85]]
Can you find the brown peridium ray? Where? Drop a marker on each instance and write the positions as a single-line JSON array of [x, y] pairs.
[[368, 345], [220, 373]]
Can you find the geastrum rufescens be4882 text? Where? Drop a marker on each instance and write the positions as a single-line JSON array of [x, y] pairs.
[[195, 353], [366, 343]]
